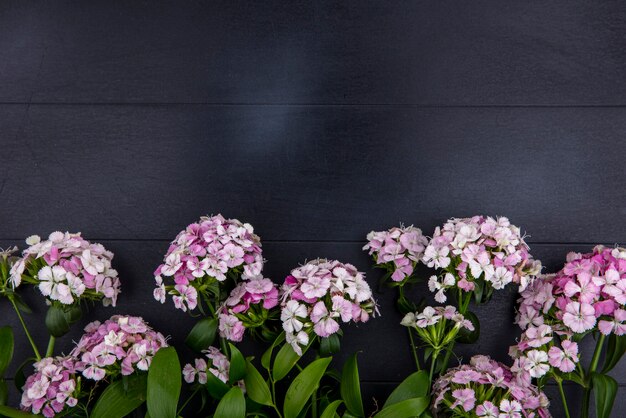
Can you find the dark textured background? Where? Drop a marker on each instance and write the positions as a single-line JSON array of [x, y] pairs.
[[316, 122]]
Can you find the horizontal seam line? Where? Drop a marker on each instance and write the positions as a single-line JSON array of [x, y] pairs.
[[296, 104], [304, 241]]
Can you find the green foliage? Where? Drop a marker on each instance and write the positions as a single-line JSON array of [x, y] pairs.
[[164, 383]]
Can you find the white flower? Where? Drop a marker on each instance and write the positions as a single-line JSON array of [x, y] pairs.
[[440, 296], [33, 240], [159, 292], [113, 338], [359, 290], [438, 258], [501, 278], [297, 341], [408, 320], [76, 285], [537, 363], [51, 284], [93, 264], [428, 317], [290, 314], [172, 264]]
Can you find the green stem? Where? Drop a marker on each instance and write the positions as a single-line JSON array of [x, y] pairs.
[[274, 395], [50, 348], [414, 350], [180, 410], [314, 404], [30, 339], [563, 399], [433, 360], [592, 368]]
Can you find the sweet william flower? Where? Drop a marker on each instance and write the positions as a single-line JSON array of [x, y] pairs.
[[464, 397], [290, 314], [579, 317], [537, 363]]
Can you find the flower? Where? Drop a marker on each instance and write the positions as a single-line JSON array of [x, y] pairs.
[[579, 317], [476, 250], [67, 268], [583, 297], [217, 365], [437, 326], [117, 346], [206, 252], [319, 295], [486, 388], [249, 306], [397, 250], [52, 389]]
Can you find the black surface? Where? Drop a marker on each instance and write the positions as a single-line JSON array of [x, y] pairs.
[[316, 122]]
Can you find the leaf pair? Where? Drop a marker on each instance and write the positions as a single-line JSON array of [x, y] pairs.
[[409, 399], [160, 388]]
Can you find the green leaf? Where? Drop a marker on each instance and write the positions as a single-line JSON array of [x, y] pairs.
[[164, 382], [331, 410], [15, 413], [408, 408], [21, 305], [286, 359], [6, 348], [615, 349], [604, 389], [256, 386], [237, 365], [330, 345], [56, 322], [216, 388], [416, 385], [303, 386], [266, 359], [351, 387], [115, 402], [4, 392], [466, 336], [202, 335], [232, 405]]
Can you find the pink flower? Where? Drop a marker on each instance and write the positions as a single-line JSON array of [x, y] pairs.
[[186, 298], [466, 376], [584, 288], [231, 328], [487, 410], [315, 287], [464, 397], [579, 317]]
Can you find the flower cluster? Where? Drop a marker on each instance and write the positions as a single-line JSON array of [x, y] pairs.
[[204, 253], [588, 293], [119, 345], [398, 250], [247, 307], [53, 387], [476, 252], [66, 268], [218, 365], [486, 388], [320, 294], [6, 262], [437, 326]]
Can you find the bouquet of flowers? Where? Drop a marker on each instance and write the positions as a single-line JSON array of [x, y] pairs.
[[203, 255], [557, 311], [486, 388], [319, 295], [118, 346], [476, 256], [397, 250], [66, 268]]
